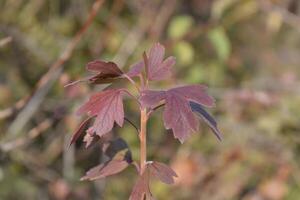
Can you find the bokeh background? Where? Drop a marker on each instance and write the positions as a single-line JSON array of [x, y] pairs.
[[246, 51]]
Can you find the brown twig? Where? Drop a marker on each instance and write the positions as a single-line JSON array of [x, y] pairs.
[[44, 84], [143, 140]]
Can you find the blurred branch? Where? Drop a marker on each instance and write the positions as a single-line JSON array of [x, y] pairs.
[[136, 34], [164, 14], [288, 17], [9, 111], [47, 80], [32, 134], [5, 41], [134, 37]]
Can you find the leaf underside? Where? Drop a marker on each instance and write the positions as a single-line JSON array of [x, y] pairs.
[[80, 130], [208, 119]]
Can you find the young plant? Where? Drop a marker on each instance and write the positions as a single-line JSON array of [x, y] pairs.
[[105, 108]]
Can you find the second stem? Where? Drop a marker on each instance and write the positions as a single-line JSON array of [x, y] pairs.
[[143, 140]]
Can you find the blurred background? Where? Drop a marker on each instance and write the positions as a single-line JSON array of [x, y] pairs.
[[246, 51]]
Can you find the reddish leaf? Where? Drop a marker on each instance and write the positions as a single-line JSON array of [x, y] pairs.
[[162, 172], [82, 127], [141, 188], [209, 120], [195, 93], [178, 115], [150, 98], [119, 158], [158, 68], [136, 69], [107, 72], [107, 106], [107, 169]]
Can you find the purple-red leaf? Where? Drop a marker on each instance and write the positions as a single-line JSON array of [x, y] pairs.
[[81, 129], [150, 98], [162, 172], [158, 69], [178, 115], [136, 69], [107, 169], [107, 106], [119, 158], [209, 120], [195, 93], [106, 72], [141, 188]]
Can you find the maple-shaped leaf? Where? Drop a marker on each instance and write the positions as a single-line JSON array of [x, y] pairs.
[[107, 107], [162, 172], [80, 130], [158, 68], [107, 169], [141, 189], [210, 121], [178, 115]]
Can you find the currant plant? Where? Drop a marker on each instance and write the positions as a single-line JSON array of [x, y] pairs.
[[105, 108]]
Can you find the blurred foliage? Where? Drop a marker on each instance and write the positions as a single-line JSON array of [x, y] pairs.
[[246, 51]]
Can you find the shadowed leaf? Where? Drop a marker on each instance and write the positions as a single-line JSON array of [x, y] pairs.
[[81, 129], [210, 121], [107, 72], [117, 149]]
